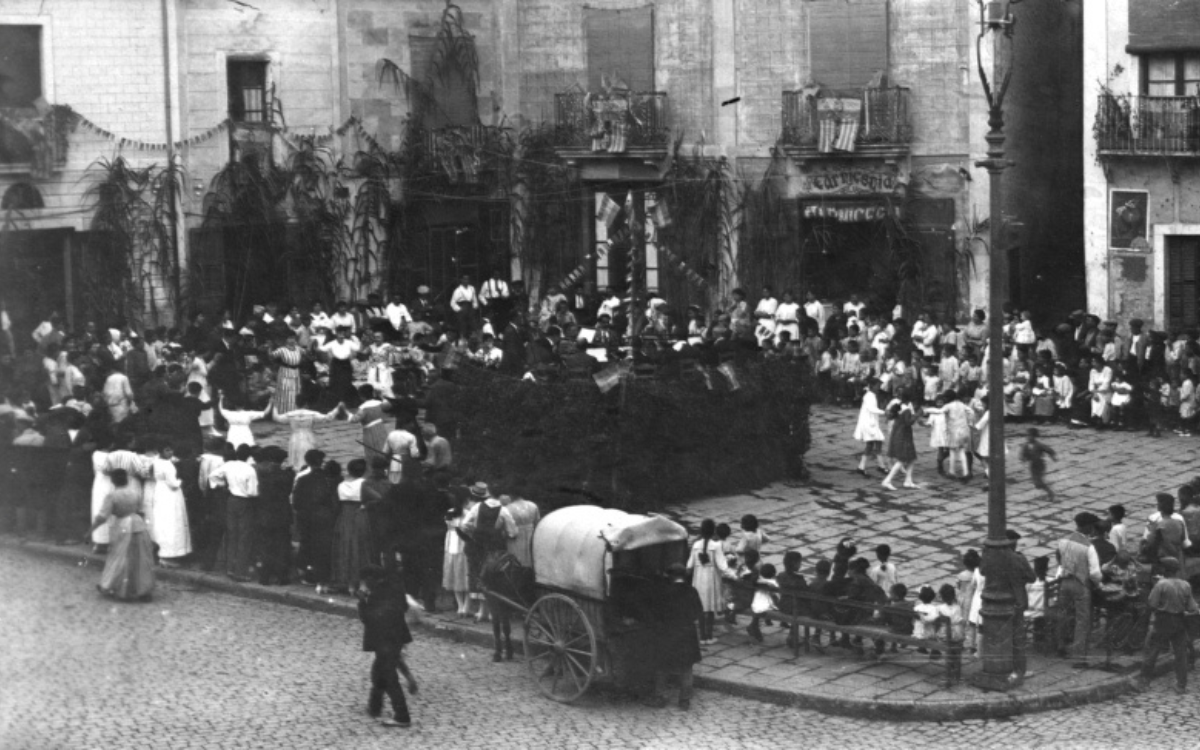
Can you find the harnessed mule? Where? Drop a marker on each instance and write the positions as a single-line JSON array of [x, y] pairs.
[[505, 580]]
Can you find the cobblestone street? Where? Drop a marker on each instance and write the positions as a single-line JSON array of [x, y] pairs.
[[927, 528], [202, 670]]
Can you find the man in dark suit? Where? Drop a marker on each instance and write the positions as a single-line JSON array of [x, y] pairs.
[[381, 607], [513, 345]]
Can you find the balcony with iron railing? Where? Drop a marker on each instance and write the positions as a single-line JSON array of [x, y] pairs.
[[1128, 125], [613, 124], [847, 123]]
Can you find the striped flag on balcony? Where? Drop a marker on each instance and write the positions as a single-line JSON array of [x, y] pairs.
[[661, 215], [838, 118], [609, 211]]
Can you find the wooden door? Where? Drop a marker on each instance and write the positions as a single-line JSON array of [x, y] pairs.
[[1183, 268]]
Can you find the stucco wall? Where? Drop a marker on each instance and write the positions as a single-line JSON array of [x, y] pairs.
[[107, 64]]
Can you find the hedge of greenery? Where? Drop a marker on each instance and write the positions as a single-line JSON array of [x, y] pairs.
[[642, 445]]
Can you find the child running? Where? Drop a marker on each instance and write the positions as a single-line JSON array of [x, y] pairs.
[[1034, 453]]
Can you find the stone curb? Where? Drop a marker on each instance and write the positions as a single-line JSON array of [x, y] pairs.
[[984, 706]]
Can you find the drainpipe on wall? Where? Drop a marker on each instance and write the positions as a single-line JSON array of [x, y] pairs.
[[173, 212]]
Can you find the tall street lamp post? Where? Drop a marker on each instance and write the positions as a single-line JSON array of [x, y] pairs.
[[996, 632]]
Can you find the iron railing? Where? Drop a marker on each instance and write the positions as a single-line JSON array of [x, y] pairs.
[[1148, 124], [882, 119], [597, 121]]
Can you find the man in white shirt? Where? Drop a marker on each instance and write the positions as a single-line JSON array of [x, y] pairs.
[[398, 316], [609, 306], [487, 505], [493, 289], [929, 337], [463, 303], [764, 331], [495, 300], [45, 333], [242, 480], [400, 443]]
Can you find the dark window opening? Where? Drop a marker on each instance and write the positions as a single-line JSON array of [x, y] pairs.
[[247, 90], [20, 66]]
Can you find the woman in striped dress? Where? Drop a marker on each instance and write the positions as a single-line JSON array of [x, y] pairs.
[[287, 383]]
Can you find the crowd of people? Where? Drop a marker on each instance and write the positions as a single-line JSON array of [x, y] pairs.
[[154, 451], [1098, 569]]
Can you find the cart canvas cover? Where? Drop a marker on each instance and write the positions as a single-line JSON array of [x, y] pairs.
[[570, 545]]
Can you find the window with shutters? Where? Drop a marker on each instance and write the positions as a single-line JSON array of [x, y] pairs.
[[247, 81], [620, 47], [848, 43], [452, 101], [1183, 260]]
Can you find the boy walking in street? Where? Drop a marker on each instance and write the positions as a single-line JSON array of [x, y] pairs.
[[1034, 453], [381, 607]]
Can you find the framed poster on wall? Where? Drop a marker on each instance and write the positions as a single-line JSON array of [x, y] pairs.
[[1128, 222]]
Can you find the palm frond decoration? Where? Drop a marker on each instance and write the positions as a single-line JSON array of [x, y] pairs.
[[114, 275]]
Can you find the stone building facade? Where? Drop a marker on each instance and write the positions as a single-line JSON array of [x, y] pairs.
[[1142, 157], [744, 84]]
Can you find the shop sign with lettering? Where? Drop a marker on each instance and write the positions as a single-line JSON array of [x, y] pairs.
[[849, 212], [852, 182]]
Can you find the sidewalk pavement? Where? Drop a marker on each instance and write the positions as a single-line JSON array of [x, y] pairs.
[[906, 686]]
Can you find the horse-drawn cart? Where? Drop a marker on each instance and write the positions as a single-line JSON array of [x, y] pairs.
[[596, 571]]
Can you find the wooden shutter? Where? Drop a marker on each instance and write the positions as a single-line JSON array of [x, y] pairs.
[[620, 42], [1163, 26], [1183, 255], [848, 42]]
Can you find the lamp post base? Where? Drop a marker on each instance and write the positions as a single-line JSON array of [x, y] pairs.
[[996, 682]]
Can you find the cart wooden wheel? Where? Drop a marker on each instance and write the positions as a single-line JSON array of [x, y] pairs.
[[560, 648]]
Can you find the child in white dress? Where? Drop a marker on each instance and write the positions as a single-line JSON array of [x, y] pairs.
[[939, 438], [101, 486], [454, 562], [869, 429], [169, 527]]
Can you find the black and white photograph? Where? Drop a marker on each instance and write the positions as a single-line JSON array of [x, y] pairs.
[[599, 374]]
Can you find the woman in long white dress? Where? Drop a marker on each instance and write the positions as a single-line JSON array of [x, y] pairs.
[[304, 438], [169, 521], [101, 486], [239, 423], [869, 429], [708, 566]]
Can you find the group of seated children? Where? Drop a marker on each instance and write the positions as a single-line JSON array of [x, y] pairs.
[[934, 615]]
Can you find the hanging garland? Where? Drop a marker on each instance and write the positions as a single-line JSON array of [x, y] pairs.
[[351, 123]]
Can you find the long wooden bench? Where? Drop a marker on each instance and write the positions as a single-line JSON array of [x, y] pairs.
[[803, 609]]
